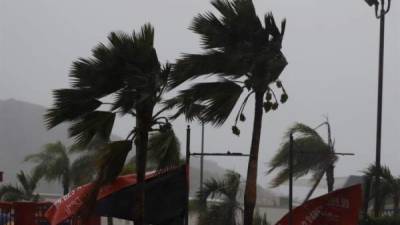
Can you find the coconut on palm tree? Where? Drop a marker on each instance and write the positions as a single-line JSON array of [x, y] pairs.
[[54, 163], [24, 191], [225, 208], [123, 77], [244, 54], [311, 155]]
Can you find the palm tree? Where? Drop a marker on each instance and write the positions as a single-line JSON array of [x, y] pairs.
[[163, 152], [54, 163], [23, 192], [244, 56], [389, 188], [311, 155], [225, 211], [128, 73], [260, 220]]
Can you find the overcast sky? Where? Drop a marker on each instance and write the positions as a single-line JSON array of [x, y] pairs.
[[331, 46]]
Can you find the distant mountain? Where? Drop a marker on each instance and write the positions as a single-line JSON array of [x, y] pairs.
[[22, 132]]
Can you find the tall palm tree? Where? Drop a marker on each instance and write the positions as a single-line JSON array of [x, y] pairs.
[[54, 163], [389, 188], [225, 211], [25, 191], [127, 73], [244, 55], [311, 155]]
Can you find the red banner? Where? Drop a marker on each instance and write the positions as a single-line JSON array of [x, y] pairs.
[[70, 204], [341, 207]]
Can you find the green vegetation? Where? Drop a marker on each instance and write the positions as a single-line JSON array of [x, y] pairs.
[[311, 154], [260, 220], [25, 191], [244, 55], [389, 189], [224, 211], [54, 163], [384, 220], [127, 72]]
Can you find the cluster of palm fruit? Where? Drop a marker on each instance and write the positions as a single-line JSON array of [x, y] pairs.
[[271, 103]]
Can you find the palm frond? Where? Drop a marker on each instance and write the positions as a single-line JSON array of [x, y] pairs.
[[192, 66], [69, 105], [109, 166], [26, 183], [310, 154], [218, 99], [97, 124], [9, 192], [302, 130], [52, 162], [184, 105], [164, 149], [83, 169], [225, 211], [112, 159]]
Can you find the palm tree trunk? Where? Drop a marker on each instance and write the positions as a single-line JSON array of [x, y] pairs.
[[110, 221], [396, 203], [314, 187], [367, 189], [330, 179], [251, 181], [65, 184], [143, 125]]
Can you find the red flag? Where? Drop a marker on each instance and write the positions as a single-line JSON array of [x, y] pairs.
[[340, 207], [70, 204]]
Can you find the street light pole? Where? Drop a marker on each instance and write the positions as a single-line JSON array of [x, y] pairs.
[[202, 157], [291, 179], [188, 169], [380, 14]]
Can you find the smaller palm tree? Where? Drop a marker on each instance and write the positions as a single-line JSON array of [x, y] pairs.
[[389, 189], [224, 211], [260, 219], [54, 163], [25, 191], [311, 155]]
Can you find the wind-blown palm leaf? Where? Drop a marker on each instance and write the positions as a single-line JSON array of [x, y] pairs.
[[69, 105], [164, 149], [10, 193], [24, 192], [213, 101], [82, 169], [191, 66], [110, 165], [225, 211], [303, 131], [389, 188], [112, 160], [51, 163], [311, 154], [97, 123]]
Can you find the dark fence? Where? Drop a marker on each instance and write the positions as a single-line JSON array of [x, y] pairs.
[[31, 213]]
